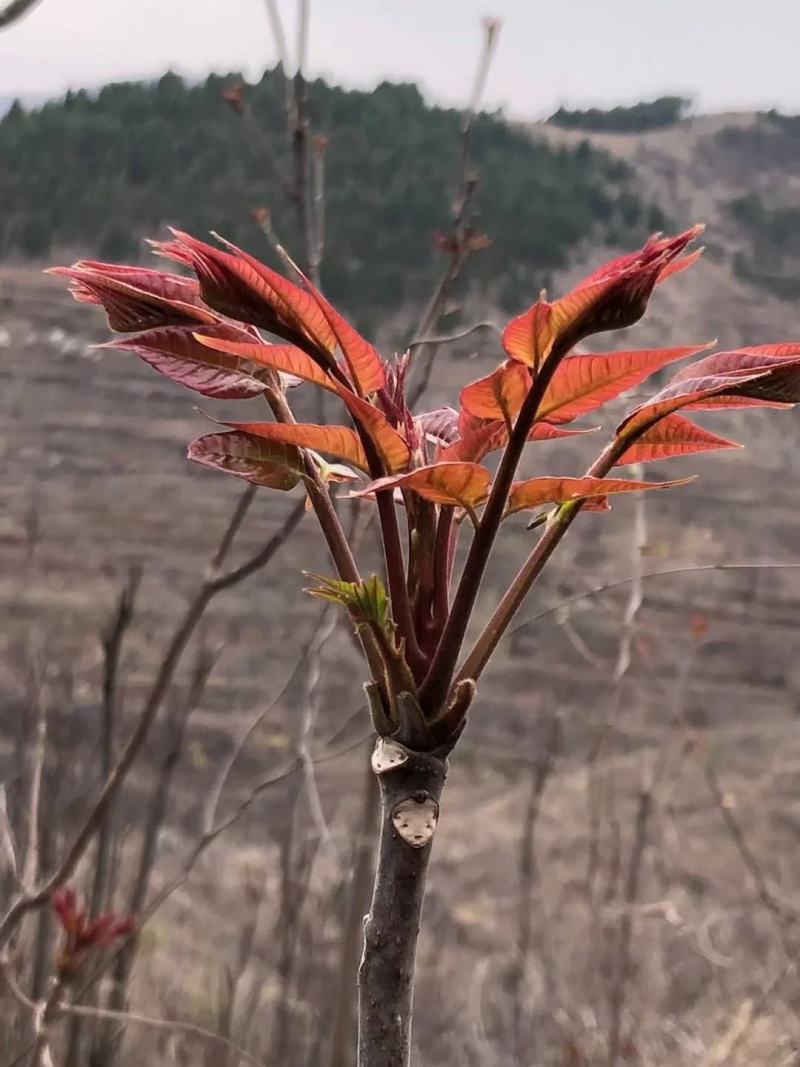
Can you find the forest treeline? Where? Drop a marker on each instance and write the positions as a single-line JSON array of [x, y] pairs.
[[96, 172], [647, 115]]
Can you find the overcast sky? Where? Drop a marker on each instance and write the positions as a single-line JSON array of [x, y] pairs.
[[727, 53]]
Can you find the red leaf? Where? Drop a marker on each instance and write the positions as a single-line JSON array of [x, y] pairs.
[[782, 361], [537, 491], [238, 285], [583, 383], [176, 352], [500, 395], [288, 359], [268, 463], [441, 424], [157, 282], [391, 446], [367, 369], [453, 484], [679, 265], [682, 394], [479, 437], [673, 435], [65, 905], [529, 337], [543, 431], [134, 298], [613, 297], [339, 441]]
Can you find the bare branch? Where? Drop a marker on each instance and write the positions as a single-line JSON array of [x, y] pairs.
[[461, 335], [491, 28], [209, 836], [459, 241], [16, 10], [127, 1017], [303, 20], [112, 642], [308, 719], [7, 841], [363, 868], [208, 588], [30, 871], [278, 33], [636, 586], [217, 788], [238, 517], [623, 965], [540, 773], [618, 583]]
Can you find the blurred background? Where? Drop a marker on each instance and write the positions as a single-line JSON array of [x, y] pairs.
[[615, 873]]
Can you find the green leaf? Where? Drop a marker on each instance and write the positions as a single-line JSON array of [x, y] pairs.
[[367, 601]]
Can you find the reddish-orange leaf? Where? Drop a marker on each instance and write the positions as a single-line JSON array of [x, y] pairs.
[[781, 387], [175, 352], [500, 394], [463, 485], [529, 337], [583, 383], [159, 299], [268, 463], [682, 394], [288, 359], [339, 441], [673, 436], [439, 425], [238, 285], [537, 491], [367, 369], [656, 251], [613, 297], [157, 282], [543, 431], [679, 265], [479, 437], [390, 445]]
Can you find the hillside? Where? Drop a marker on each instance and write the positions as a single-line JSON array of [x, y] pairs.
[[101, 172], [94, 479]]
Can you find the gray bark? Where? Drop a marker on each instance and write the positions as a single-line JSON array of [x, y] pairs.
[[386, 974]]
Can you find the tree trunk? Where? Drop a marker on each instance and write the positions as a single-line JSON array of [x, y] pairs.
[[411, 784]]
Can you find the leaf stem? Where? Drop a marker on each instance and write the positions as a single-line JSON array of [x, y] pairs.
[[331, 526], [446, 533], [532, 567], [437, 683]]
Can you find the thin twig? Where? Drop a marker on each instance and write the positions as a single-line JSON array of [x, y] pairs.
[[163, 1024], [30, 871], [278, 33], [363, 867], [459, 241], [666, 573], [215, 793], [155, 816], [112, 643], [540, 773], [623, 967], [44, 1016], [781, 913], [309, 713], [208, 837], [209, 587], [15, 11]]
